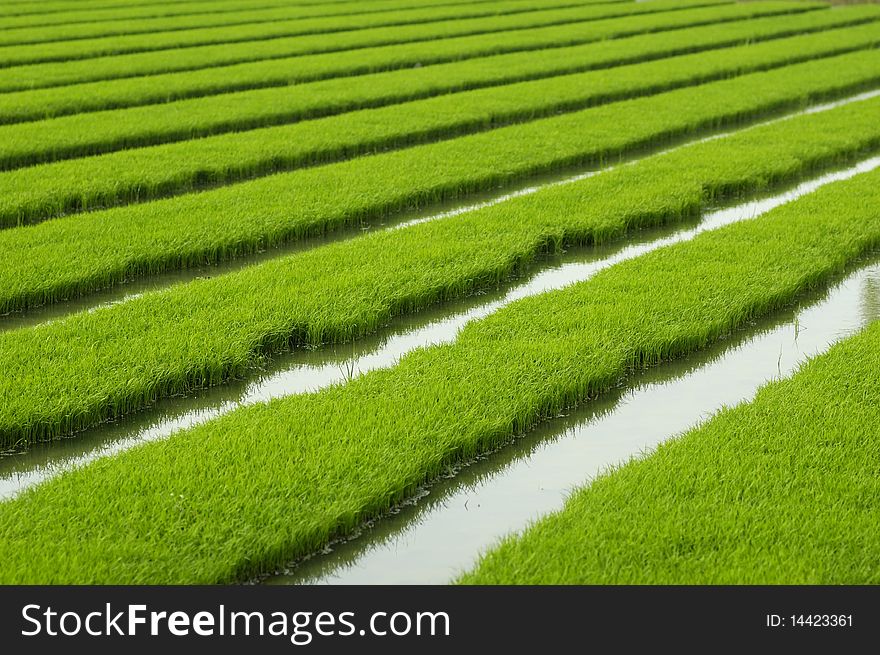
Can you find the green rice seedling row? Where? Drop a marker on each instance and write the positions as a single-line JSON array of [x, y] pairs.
[[38, 10], [339, 33], [207, 331], [693, 512], [490, 40], [311, 369], [18, 14], [311, 256], [251, 490], [139, 8], [40, 192], [99, 132], [320, 18], [462, 74], [73, 255], [440, 532], [100, 22]]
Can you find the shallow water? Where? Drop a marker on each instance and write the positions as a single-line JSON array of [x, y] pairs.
[[441, 533], [138, 286], [309, 370]]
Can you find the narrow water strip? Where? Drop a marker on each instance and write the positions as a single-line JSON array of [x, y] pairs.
[[309, 370], [134, 288], [441, 532]]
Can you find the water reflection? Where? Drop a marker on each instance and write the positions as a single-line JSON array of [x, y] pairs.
[[434, 539], [308, 370]]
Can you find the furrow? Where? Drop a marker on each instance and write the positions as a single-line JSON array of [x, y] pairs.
[[692, 511], [247, 492], [440, 47], [73, 255], [443, 529], [310, 371], [469, 70], [101, 132], [206, 332]]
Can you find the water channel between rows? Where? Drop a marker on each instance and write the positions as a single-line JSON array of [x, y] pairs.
[[309, 370], [442, 532], [136, 287]]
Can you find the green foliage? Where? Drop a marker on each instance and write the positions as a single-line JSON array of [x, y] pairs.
[[75, 372], [425, 102], [472, 65], [777, 491], [73, 255], [92, 133], [285, 20], [488, 31], [255, 488]]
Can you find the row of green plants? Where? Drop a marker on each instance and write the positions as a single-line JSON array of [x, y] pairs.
[[287, 20], [473, 65], [251, 490], [36, 12], [780, 490], [35, 193], [491, 30], [73, 255], [107, 131], [207, 331]]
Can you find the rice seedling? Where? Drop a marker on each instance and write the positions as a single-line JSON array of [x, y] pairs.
[[34, 75], [205, 332], [530, 54], [194, 188], [53, 15], [99, 132], [39, 11], [439, 532], [309, 19], [775, 491], [252, 490], [39, 192], [76, 254], [339, 33]]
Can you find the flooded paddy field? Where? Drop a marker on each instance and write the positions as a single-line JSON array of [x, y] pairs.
[[417, 293]]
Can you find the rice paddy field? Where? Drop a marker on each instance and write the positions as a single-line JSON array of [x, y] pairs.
[[439, 291]]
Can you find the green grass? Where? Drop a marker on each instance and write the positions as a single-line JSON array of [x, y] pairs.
[[100, 132], [75, 15], [463, 73], [781, 490], [527, 36], [251, 490], [329, 34], [73, 11], [35, 12], [76, 254], [206, 331], [36, 193], [309, 19], [206, 11]]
